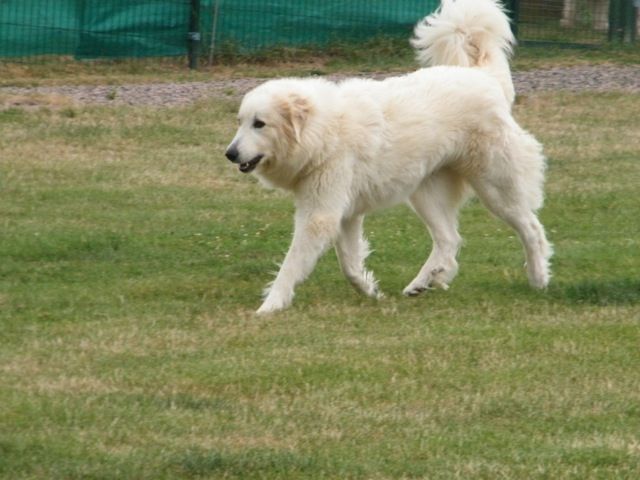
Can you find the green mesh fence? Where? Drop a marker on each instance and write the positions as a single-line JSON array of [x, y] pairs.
[[147, 28], [93, 28], [34, 27], [253, 24], [128, 28], [142, 28]]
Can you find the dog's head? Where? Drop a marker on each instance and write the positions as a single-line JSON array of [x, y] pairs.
[[272, 119]]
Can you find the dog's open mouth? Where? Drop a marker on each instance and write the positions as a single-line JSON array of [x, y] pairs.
[[247, 167]]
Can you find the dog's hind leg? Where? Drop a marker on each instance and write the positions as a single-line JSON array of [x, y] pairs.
[[511, 188], [352, 250], [508, 206], [437, 202]]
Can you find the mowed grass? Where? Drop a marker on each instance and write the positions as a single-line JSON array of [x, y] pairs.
[[132, 257]]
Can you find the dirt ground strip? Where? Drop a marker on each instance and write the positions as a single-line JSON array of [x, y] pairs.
[[576, 79]]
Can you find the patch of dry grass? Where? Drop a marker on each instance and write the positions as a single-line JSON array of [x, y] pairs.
[[35, 100]]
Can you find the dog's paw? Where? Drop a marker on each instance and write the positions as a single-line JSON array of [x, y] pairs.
[[539, 280], [367, 284], [539, 274], [372, 291], [274, 303], [438, 277], [371, 287], [270, 307], [267, 308], [376, 294], [415, 290]]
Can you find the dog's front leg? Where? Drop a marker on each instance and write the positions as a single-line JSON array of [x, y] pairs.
[[352, 250], [313, 234]]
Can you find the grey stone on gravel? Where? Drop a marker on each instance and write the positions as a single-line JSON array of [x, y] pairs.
[[596, 78]]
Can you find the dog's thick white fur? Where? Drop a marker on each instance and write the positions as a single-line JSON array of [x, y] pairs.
[[468, 33], [427, 138]]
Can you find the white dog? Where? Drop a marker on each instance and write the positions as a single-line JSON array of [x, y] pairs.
[[425, 138]]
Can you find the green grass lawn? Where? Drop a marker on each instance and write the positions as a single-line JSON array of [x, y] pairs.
[[132, 256]]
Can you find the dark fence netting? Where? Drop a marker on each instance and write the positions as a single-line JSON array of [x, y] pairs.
[[128, 28], [148, 28], [141, 28], [35, 27]]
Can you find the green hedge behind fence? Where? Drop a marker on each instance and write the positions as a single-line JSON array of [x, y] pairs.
[[146, 28]]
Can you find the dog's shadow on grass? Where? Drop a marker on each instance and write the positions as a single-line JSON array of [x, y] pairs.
[[598, 292], [605, 292]]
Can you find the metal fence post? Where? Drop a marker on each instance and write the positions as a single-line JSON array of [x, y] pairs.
[[616, 27], [214, 30], [193, 43], [631, 16]]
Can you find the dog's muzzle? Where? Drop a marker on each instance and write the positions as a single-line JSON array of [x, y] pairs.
[[245, 167], [249, 166]]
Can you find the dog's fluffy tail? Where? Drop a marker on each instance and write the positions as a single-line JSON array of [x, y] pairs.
[[468, 33]]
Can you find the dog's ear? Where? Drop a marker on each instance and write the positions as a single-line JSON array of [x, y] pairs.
[[295, 110]]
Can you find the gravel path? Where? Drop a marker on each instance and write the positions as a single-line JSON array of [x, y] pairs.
[[582, 78]]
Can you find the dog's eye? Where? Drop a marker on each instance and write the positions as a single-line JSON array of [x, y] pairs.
[[258, 123]]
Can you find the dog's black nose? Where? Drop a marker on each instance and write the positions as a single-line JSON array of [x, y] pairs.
[[232, 153]]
